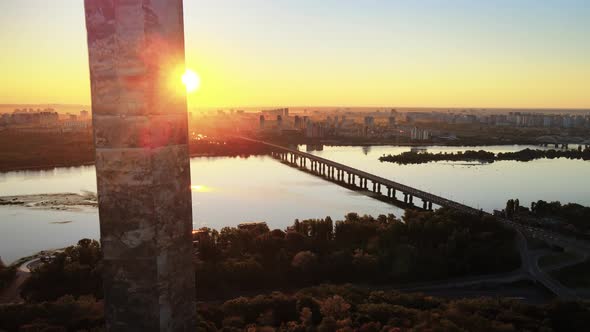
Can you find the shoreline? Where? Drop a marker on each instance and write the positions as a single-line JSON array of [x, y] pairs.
[[200, 155]]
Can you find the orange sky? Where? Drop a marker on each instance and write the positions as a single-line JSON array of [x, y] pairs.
[[335, 53]]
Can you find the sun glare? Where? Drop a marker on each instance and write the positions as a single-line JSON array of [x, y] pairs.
[[200, 188], [191, 81]]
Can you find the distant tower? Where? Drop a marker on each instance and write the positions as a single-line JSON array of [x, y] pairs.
[[261, 121], [297, 122], [369, 121], [136, 58], [279, 122], [392, 121]]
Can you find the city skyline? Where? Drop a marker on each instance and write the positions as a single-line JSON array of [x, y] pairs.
[[501, 55]]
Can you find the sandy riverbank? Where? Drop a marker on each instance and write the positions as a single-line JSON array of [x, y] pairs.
[[63, 201]]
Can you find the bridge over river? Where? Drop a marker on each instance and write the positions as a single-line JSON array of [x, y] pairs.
[[386, 189]]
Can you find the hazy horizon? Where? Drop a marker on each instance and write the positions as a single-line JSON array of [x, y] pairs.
[[504, 54], [66, 108]]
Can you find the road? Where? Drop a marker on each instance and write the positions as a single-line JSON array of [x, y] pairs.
[[12, 293]]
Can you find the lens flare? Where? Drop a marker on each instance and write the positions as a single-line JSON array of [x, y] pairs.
[[191, 81]]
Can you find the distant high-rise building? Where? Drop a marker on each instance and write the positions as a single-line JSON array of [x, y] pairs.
[[279, 122], [261, 122], [392, 121], [297, 122], [418, 134]]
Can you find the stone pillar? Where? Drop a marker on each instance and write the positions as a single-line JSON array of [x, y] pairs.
[[136, 58]]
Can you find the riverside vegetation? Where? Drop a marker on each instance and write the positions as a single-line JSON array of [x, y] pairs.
[[384, 250], [570, 219], [47, 150], [359, 249]]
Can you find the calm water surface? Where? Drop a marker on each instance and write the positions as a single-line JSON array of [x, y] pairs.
[[227, 191], [486, 186]]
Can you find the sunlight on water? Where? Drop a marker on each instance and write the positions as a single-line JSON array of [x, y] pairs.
[[227, 191]]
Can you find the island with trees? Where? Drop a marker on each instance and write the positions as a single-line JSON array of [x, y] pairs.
[[411, 157]]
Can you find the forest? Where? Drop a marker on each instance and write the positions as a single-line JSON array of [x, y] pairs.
[[571, 219], [422, 246], [324, 308]]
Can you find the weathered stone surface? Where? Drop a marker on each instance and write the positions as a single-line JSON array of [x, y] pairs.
[[136, 52]]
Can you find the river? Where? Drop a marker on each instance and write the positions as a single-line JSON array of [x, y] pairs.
[[228, 191]]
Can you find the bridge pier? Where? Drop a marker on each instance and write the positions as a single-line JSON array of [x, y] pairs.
[[379, 188], [424, 204], [430, 206], [411, 200], [405, 198]]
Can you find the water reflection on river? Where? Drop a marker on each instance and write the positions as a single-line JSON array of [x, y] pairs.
[[227, 191], [486, 186]]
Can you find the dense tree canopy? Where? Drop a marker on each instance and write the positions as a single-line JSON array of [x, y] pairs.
[[326, 308], [75, 271], [423, 246]]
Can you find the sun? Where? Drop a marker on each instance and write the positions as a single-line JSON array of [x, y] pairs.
[[191, 81]]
